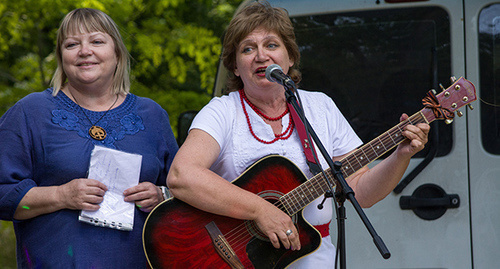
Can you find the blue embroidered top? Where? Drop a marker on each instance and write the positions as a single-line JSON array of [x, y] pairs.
[[44, 141]]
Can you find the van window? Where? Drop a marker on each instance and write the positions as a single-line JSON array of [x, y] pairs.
[[489, 67], [378, 64]]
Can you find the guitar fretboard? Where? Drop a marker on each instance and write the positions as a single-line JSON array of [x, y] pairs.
[[316, 186]]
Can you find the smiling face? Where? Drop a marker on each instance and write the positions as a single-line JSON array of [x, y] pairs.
[[258, 50], [89, 59]]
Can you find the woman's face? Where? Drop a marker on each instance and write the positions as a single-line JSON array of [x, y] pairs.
[[257, 51], [89, 59]]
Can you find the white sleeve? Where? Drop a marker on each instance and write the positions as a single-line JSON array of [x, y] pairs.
[[345, 138], [329, 123], [215, 119]]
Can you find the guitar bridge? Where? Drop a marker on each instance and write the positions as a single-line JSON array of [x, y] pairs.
[[222, 246]]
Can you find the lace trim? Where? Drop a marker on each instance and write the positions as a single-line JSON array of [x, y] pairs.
[[120, 121]]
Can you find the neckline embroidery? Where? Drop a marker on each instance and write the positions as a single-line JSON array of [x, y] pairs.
[[118, 122], [95, 131]]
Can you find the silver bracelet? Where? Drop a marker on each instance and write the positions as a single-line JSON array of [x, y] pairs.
[[165, 192]]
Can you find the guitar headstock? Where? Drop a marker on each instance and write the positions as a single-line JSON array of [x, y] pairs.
[[462, 92]]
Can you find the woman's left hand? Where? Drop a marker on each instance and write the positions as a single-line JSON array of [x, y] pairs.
[[145, 195], [417, 137]]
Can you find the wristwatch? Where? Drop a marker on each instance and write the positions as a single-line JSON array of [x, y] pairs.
[[165, 192]]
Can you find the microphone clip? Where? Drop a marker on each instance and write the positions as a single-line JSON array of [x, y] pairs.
[[328, 194]]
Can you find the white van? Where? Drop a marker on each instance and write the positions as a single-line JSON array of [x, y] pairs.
[[378, 59]]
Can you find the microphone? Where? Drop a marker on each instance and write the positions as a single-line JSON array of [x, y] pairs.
[[274, 73]]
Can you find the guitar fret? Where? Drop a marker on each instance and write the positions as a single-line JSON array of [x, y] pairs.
[[356, 157], [316, 192], [344, 170], [349, 166], [376, 153], [318, 179], [368, 150], [309, 189], [291, 201], [330, 179], [423, 117], [390, 136], [382, 143], [364, 153], [295, 203], [286, 204], [400, 131], [304, 198], [317, 184]]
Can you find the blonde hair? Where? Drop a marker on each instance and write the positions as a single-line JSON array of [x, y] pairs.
[[251, 17], [87, 20]]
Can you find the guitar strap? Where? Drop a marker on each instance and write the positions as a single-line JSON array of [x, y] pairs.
[[310, 153], [308, 147]]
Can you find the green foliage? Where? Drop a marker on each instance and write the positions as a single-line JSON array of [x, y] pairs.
[[7, 244], [174, 44]]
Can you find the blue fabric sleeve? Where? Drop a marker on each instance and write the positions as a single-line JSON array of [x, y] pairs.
[[15, 161]]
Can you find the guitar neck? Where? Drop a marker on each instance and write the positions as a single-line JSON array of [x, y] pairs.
[[462, 92], [382, 144], [316, 186]]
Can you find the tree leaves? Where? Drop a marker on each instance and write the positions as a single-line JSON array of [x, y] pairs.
[[174, 44]]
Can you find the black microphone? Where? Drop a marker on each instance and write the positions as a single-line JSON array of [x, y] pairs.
[[274, 73]]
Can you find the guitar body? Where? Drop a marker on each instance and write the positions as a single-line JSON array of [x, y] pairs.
[[175, 236]]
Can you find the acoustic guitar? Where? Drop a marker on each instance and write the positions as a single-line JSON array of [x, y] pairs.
[[177, 235]]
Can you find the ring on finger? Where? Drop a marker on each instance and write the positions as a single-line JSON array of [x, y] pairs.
[[288, 232]]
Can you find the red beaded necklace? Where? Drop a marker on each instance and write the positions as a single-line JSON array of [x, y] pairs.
[[283, 136]]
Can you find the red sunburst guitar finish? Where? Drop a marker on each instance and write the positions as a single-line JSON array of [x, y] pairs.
[[177, 235]]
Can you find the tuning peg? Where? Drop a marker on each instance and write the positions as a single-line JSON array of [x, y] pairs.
[[448, 121], [433, 91], [459, 113], [453, 79], [441, 86], [470, 106]]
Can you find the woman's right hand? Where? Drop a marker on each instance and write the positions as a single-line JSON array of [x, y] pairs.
[[274, 223], [82, 194], [78, 194]]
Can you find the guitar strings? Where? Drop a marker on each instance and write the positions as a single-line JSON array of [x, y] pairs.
[[245, 232], [239, 235], [391, 136]]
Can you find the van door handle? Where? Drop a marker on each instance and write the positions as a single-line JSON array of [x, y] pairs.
[[429, 201], [448, 201]]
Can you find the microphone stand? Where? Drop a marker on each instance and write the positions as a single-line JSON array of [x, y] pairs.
[[343, 190]]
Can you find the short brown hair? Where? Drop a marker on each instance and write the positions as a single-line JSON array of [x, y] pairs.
[[88, 20], [251, 17]]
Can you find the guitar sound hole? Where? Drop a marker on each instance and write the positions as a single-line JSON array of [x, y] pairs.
[[273, 198], [252, 228]]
